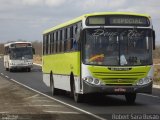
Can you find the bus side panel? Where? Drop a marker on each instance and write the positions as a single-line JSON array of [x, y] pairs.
[[6, 61], [62, 65]]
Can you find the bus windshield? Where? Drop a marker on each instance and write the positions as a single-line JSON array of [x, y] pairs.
[[21, 53], [117, 46]]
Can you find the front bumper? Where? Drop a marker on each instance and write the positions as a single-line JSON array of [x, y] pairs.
[[21, 66], [106, 89]]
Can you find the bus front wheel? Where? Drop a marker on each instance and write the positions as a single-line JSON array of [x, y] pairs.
[[77, 97], [28, 69], [130, 98], [10, 70]]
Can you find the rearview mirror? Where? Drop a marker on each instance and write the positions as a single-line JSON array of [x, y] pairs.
[[154, 41]]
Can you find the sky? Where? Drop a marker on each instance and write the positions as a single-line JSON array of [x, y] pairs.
[[27, 19]]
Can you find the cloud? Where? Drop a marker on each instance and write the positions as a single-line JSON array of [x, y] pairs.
[[101, 4], [54, 2], [12, 3], [32, 2], [37, 15]]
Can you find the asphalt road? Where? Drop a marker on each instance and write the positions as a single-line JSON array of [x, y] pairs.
[[107, 107]]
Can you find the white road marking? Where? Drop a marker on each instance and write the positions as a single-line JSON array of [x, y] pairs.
[[6, 76], [2, 74], [37, 64], [3, 112], [61, 112], [45, 105], [149, 95], [86, 112], [42, 100], [31, 97]]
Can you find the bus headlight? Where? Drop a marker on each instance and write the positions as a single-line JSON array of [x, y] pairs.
[[88, 79], [96, 81], [12, 64], [144, 81], [92, 80]]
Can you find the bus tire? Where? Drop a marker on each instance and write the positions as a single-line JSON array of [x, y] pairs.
[[130, 98], [53, 90], [7, 69], [78, 98], [10, 70], [28, 69]]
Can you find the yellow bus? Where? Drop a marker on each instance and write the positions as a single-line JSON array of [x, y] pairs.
[[101, 53]]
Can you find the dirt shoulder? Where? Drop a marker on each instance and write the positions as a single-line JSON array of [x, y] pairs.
[[19, 103], [12, 98]]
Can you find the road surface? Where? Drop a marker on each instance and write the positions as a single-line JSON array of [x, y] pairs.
[[107, 107]]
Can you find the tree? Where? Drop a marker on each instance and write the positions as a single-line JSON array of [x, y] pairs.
[[1, 48], [37, 45]]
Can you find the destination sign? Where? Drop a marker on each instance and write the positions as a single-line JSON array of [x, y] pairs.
[[21, 45], [97, 20], [118, 20], [17, 45]]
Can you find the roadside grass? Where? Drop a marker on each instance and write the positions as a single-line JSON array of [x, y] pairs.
[[37, 59], [156, 79]]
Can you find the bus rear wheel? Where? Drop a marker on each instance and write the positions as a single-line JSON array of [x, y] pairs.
[[53, 89], [28, 69], [130, 98], [7, 69], [10, 70]]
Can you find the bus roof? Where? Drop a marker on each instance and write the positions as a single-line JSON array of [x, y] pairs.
[[8, 44], [92, 14]]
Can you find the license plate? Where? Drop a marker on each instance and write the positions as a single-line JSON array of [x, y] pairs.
[[120, 90]]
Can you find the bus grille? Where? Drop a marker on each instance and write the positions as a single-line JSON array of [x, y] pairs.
[[124, 78]]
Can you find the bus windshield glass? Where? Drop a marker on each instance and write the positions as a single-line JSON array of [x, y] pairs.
[[21, 53], [117, 46]]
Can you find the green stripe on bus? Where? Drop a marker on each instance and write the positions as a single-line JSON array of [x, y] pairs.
[[64, 63]]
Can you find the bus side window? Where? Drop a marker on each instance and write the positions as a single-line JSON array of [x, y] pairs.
[[45, 43], [54, 34], [60, 39], [75, 38], [51, 44], [68, 40], [77, 34], [56, 41], [65, 40], [71, 38]]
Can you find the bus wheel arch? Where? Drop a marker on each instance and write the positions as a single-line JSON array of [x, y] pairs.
[[53, 89], [71, 82], [77, 97]]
